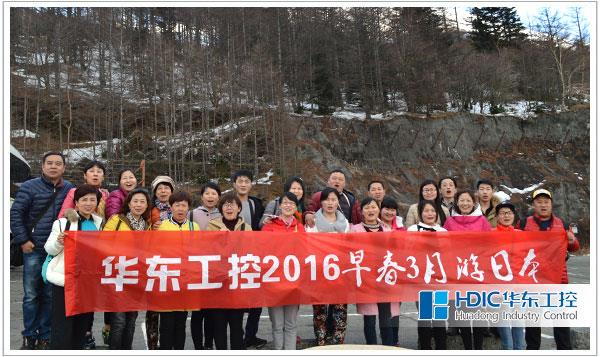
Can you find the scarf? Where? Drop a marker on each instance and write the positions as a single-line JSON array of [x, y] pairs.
[[164, 208], [136, 225], [373, 227], [323, 225]]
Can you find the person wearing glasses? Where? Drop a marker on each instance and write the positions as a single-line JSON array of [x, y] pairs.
[[428, 191], [230, 207], [511, 338]]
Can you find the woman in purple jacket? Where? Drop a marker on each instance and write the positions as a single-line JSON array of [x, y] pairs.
[[468, 217], [127, 182]]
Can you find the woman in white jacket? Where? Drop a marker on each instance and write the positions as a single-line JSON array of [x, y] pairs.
[[69, 332], [329, 219], [426, 329]]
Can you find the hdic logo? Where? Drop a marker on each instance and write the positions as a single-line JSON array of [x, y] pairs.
[[433, 305]]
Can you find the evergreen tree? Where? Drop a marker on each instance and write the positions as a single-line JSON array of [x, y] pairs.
[[323, 84], [495, 27]]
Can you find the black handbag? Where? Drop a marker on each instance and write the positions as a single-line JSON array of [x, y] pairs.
[[16, 253]]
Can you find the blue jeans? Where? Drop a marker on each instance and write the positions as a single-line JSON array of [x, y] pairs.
[[37, 297], [512, 338]]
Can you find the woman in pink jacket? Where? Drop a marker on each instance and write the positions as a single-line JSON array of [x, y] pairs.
[[386, 310], [468, 217], [93, 174]]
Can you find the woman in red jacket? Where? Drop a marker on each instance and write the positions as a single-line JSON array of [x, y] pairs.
[[284, 318]]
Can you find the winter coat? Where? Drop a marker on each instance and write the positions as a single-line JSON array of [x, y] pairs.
[[56, 268], [171, 225], [352, 212], [278, 225], [69, 203], [371, 308], [115, 202], [473, 222], [490, 213], [532, 223], [119, 222], [341, 224], [274, 208], [256, 212], [501, 228], [397, 224], [202, 216], [29, 202], [218, 225], [412, 217]]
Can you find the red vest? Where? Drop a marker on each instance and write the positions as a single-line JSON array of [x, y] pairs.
[[532, 225], [556, 225]]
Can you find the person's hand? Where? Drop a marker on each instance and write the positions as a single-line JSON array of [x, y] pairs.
[[61, 238], [570, 237], [267, 220], [155, 225], [309, 220], [27, 247]]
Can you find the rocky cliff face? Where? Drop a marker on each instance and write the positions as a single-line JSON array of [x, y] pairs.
[[551, 149]]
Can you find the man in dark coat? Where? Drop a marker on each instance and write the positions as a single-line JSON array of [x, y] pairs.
[[35, 208]]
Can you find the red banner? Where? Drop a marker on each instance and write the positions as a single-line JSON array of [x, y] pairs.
[[127, 271]]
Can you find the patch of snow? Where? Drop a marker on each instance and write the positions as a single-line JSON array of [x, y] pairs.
[[502, 196], [477, 108], [20, 133], [265, 180], [348, 115], [76, 154], [523, 191]]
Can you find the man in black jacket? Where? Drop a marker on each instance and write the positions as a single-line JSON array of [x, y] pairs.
[[252, 211], [35, 208]]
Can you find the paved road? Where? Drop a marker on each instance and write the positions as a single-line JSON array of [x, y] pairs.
[[579, 273]]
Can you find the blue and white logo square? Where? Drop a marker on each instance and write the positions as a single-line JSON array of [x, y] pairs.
[[433, 305]]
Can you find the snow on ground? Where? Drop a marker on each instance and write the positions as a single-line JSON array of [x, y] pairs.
[[91, 152], [20, 133], [358, 115], [523, 191], [265, 180]]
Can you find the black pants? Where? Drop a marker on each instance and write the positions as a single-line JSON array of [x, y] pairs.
[[252, 323], [122, 329], [562, 337], [67, 333], [472, 340], [202, 329], [234, 319], [389, 334], [426, 330], [172, 330]]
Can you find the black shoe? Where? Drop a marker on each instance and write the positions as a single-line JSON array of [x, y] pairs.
[[43, 345], [28, 343], [255, 342], [90, 343]]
